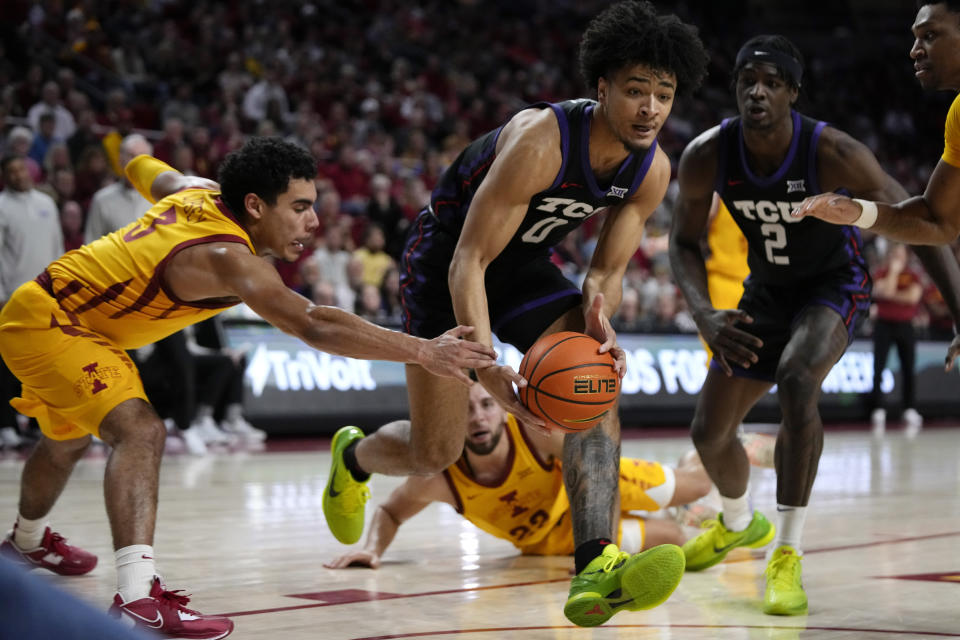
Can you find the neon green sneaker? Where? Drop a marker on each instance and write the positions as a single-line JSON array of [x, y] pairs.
[[344, 499], [713, 545], [784, 595], [615, 581]]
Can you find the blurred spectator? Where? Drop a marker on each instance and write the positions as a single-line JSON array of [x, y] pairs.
[[30, 239], [61, 186], [173, 137], [390, 297], [628, 316], [897, 290], [18, 144], [71, 222], [384, 210], [182, 106], [64, 124], [267, 98], [369, 304], [117, 205], [29, 228], [43, 138], [371, 255], [93, 172], [330, 261], [58, 157], [349, 179], [234, 78]]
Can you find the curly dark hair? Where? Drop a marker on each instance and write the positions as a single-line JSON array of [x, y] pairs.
[[630, 33], [775, 43], [263, 166]]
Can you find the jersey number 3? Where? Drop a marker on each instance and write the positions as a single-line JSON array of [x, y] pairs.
[[776, 238]]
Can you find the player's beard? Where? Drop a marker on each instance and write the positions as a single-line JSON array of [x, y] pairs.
[[485, 448]]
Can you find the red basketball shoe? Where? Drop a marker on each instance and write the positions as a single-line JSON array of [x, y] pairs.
[[53, 554], [165, 612]]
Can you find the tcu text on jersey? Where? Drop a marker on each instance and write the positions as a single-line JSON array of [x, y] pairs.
[[566, 209], [772, 215]]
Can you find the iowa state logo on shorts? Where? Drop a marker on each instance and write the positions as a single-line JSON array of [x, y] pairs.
[[94, 379]]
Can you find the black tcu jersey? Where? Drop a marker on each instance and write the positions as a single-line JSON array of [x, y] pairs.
[[783, 250], [794, 264], [525, 291], [573, 197]]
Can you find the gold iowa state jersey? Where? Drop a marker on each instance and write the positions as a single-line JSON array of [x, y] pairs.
[[525, 506], [115, 285], [728, 247]]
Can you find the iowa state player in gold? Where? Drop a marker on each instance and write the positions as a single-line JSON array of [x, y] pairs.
[[195, 253]]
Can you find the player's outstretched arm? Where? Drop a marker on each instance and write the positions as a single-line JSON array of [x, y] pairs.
[[846, 161], [691, 215], [155, 179], [933, 218], [334, 330], [406, 501]]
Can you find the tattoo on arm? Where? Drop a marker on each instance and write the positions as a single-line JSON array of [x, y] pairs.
[[591, 473]]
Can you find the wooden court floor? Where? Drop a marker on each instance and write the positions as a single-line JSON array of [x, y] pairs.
[[244, 533]]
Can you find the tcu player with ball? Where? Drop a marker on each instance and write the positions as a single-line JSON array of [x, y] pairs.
[[479, 253]]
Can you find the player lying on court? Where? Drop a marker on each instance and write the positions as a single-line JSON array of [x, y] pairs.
[[195, 253], [508, 482]]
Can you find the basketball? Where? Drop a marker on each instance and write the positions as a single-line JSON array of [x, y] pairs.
[[569, 384]]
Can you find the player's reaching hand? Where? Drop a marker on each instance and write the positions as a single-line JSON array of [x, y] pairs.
[[448, 355], [499, 381], [729, 344], [362, 558], [597, 326], [829, 207], [952, 352]]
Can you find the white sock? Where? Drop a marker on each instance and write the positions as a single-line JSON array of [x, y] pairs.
[[135, 571], [737, 513], [29, 533], [790, 527], [204, 411]]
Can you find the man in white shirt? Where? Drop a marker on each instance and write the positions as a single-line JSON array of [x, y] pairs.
[[30, 234], [30, 239], [117, 205]]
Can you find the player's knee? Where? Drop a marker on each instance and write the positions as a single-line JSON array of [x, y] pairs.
[[796, 384], [707, 437]]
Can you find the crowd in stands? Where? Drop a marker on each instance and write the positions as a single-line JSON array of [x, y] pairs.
[[385, 95]]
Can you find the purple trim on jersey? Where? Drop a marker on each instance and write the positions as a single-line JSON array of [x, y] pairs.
[[585, 158], [791, 154], [722, 157], [642, 170], [533, 304], [812, 173], [564, 143]]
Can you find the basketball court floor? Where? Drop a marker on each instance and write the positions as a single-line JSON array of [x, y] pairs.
[[244, 532]]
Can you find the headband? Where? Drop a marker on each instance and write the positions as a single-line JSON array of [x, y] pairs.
[[785, 62]]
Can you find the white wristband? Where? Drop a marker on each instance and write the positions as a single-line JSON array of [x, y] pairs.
[[868, 213]]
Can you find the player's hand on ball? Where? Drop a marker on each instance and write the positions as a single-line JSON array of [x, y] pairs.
[[729, 344], [448, 355], [499, 381], [598, 327], [363, 558]]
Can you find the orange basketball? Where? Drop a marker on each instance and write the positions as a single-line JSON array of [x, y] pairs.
[[569, 384]]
